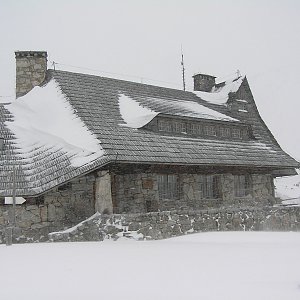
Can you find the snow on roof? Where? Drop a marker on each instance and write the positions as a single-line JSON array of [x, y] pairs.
[[219, 94], [136, 114], [133, 113], [44, 118], [194, 109]]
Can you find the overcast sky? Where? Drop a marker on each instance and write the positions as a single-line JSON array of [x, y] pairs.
[[141, 40]]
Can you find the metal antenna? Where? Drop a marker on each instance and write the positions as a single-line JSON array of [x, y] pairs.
[[183, 69]]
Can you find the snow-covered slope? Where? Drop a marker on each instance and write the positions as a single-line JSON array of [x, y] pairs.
[[288, 189]]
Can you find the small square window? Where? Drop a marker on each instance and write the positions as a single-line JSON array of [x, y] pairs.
[[195, 129], [236, 133], [225, 132], [164, 126], [210, 130]]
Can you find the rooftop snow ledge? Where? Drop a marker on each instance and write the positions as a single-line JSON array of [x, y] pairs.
[[219, 95], [134, 115], [44, 117]]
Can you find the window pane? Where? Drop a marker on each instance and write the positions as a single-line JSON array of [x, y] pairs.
[[242, 185], [167, 186], [209, 186], [236, 133]]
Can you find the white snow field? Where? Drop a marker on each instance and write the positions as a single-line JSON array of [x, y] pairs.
[[227, 266]]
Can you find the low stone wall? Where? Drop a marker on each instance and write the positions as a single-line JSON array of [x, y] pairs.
[[161, 225]]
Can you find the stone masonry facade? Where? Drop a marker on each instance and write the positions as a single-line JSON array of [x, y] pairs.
[[31, 68], [124, 190], [137, 191], [60, 208]]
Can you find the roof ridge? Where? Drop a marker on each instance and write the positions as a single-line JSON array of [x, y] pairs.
[[120, 80]]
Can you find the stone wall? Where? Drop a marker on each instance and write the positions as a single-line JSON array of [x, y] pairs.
[[161, 225], [31, 67], [60, 208], [138, 192]]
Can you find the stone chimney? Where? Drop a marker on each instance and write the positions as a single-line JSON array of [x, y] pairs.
[[203, 82], [31, 67]]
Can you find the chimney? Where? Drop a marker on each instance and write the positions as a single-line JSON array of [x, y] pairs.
[[203, 82], [31, 67]]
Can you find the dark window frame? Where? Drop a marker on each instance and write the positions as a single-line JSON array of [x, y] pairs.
[[168, 186], [242, 185], [210, 186]]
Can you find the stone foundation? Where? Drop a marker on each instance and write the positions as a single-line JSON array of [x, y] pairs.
[[153, 226]]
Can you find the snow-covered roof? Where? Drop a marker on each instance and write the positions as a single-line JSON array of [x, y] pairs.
[[220, 92], [44, 118], [77, 123]]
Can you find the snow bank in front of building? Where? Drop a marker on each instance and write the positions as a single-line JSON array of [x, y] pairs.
[[44, 118], [134, 114], [209, 265], [219, 95], [288, 189]]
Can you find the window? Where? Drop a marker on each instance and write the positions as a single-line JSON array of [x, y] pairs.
[[177, 127], [210, 130], [196, 129], [242, 185], [209, 186], [236, 133], [244, 133], [225, 132], [167, 186], [164, 126]]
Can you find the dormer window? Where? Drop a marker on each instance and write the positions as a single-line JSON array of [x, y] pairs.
[[236, 133], [179, 127], [225, 132], [210, 130], [164, 126], [200, 128], [196, 129]]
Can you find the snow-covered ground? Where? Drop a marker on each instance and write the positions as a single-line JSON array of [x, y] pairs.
[[227, 266], [288, 189]]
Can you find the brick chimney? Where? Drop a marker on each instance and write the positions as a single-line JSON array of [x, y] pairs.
[[31, 67], [203, 82]]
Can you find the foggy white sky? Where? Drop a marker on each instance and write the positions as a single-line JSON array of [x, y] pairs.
[[143, 38]]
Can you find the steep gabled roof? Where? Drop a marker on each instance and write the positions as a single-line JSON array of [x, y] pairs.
[[93, 103]]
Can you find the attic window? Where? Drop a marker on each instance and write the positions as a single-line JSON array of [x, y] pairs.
[[179, 127], [164, 126], [210, 130], [196, 129], [225, 132], [236, 133]]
